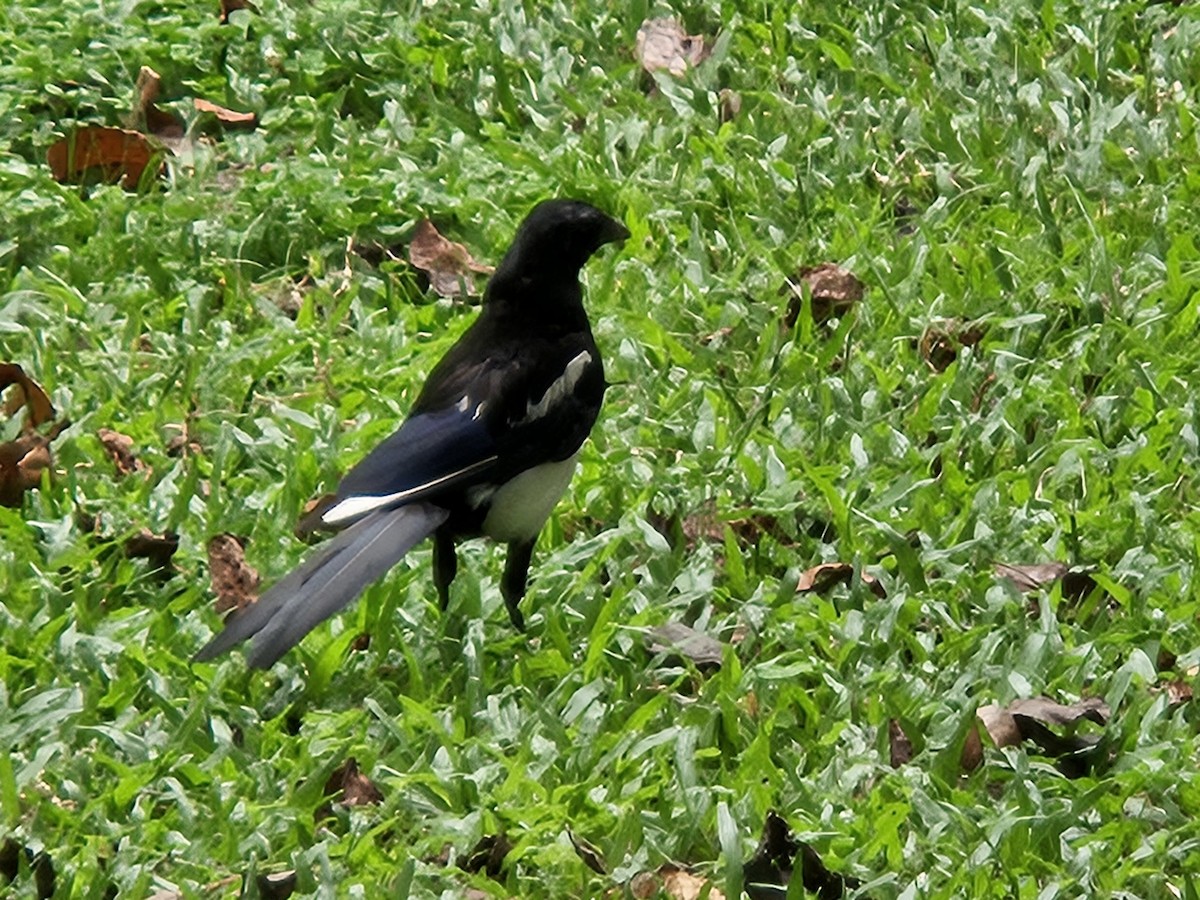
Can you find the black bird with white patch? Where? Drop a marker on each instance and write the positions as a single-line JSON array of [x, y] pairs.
[[488, 448]]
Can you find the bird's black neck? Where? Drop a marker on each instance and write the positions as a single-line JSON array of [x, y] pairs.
[[545, 301]]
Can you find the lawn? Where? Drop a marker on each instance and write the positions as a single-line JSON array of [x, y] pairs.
[[1012, 188]]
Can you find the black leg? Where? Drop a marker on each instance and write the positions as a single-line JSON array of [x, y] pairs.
[[516, 575], [445, 565]]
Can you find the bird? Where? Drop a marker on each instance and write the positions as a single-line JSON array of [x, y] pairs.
[[488, 447]]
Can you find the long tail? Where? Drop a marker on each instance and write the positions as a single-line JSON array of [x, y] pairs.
[[324, 583]]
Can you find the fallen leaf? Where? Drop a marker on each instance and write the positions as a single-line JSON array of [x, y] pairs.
[[1076, 583], [777, 855], [676, 883], [22, 462], [941, 341], [24, 391], [350, 787], [97, 154], [899, 746], [233, 580], [120, 449], [1033, 577], [971, 757], [227, 117], [229, 6], [825, 576], [488, 855], [448, 264], [42, 866], [1178, 692], [276, 886], [157, 549], [1027, 720], [146, 116], [663, 44], [832, 288], [590, 855], [675, 637], [730, 105]]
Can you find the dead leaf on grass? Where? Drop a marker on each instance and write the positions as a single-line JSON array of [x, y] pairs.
[[26, 457], [900, 748], [120, 450], [589, 853], [1028, 720], [676, 883], [825, 576], [146, 116], [971, 757], [663, 44], [96, 154], [449, 265], [676, 638], [234, 581], [778, 853], [1178, 691], [227, 117], [157, 549], [942, 341], [229, 6], [350, 787], [23, 391], [833, 290], [276, 886], [1076, 584], [488, 855]]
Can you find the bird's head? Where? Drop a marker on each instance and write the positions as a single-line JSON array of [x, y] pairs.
[[557, 238]]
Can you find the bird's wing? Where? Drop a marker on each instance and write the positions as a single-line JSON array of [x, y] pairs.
[[325, 583], [431, 452]]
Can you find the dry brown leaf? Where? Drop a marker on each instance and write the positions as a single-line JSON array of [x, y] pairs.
[[449, 265], [832, 288], [1033, 577], [147, 117], [778, 854], [229, 6], [942, 340], [277, 885], [24, 391], [227, 117], [590, 854], [22, 462], [730, 105], [972, 750], [1000, 725], [676, 638], [488, 855], [899, 746], [120, 449], [676, 883], [1027, 720], [826, 575], [233, 580], [97, 154], [663, 44], [157, 549], [350, 787], [1178, 692]]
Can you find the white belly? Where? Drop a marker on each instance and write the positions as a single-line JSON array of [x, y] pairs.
[[521, 506]]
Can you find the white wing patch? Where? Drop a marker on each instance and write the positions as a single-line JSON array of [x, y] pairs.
[[562, 387], [357, 506]]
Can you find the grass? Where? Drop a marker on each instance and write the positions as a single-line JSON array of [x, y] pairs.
[[1034, 167]]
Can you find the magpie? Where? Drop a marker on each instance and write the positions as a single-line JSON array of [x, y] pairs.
[[488, 447]]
